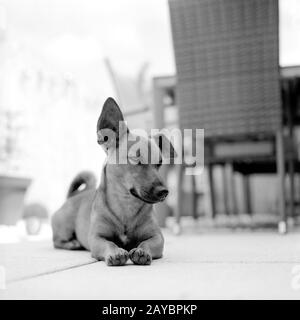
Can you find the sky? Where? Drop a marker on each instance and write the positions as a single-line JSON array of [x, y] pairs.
[[76, 35], [289, 32]]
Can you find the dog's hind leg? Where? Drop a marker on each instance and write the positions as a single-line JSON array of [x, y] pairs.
[[67, 244], [64, 236]]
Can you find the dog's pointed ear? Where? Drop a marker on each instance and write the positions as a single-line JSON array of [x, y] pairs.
[[110, 125], [165, 145]]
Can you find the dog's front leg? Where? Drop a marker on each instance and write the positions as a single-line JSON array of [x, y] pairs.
[[103, 249], [147, 250]]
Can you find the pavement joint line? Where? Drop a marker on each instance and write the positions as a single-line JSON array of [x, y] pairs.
[[196, 262], [238, 262], [49, 272]]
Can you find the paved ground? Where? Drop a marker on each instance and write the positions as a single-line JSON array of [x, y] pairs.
[[242, 265]]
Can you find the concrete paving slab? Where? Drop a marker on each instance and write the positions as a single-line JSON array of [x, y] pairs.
[[161, 281], [255, 265], [29, 259]]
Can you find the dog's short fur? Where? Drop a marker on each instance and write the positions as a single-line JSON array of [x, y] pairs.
[[115, 220]]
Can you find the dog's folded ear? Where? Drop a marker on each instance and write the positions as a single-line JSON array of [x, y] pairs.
[[110, 126], [166, 147]]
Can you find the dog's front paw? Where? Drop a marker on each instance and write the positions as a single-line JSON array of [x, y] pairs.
[[117, 258], [140, 256]]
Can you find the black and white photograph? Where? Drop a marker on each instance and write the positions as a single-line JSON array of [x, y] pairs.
[[149, 151]]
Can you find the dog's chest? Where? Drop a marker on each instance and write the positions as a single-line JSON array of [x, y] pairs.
[[124, 238]]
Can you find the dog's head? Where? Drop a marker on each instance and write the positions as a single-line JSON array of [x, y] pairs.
[[133, 160]]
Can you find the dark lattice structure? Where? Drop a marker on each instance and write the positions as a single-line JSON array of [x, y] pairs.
[[227, 65]]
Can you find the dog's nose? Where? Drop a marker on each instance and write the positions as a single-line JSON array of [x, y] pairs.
[[161, 192]]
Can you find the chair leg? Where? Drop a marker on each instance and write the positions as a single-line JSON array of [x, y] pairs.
[[247, 194], [232, 189], [212, 191], [179, 206], [162, 210], [292, 188], [194, 197], [291, 164], [282, 225], [225, 190]]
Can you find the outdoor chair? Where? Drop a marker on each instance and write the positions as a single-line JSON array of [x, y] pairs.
[[228, 82]]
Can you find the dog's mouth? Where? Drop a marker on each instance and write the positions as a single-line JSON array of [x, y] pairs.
[[147, 200]]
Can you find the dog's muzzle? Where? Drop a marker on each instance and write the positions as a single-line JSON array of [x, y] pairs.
[[158, 194]]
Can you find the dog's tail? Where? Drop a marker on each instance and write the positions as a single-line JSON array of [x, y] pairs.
[[84, 179]]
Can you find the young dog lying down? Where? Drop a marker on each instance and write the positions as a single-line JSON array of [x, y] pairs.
[[115, 221]]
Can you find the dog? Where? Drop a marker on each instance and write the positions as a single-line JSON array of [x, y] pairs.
[[115, 221]]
